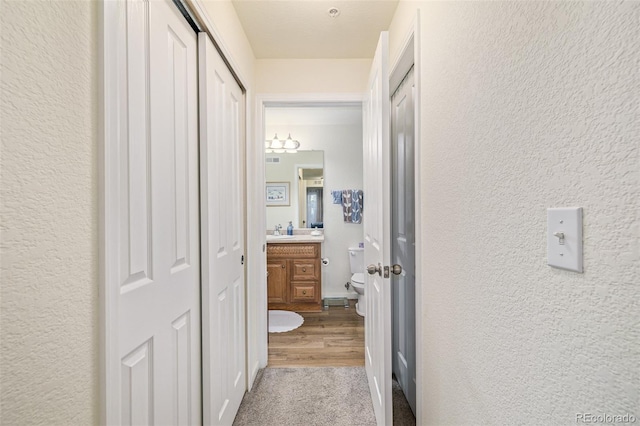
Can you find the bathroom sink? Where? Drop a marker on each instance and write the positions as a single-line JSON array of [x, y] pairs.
[[279, 237], [298, 238]]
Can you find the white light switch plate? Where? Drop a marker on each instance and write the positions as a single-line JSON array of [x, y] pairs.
[[564, 253]]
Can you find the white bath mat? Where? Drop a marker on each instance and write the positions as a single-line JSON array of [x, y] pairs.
[[281, 321]]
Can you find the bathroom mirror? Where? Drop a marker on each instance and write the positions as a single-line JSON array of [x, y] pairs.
[[304, 173]]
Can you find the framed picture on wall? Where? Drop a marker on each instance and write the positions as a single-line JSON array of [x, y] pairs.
[[277, 194]]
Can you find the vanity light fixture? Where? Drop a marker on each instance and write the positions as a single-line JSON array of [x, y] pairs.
[[277, 146]]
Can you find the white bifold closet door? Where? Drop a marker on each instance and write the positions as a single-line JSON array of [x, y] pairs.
[[154, 238], [222, 209]]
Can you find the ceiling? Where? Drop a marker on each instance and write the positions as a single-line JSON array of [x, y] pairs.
[[303, 29]]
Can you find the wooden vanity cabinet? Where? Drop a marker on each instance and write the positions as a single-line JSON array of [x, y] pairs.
[[294, 279]]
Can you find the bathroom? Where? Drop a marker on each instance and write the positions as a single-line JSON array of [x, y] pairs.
[[330, 137]]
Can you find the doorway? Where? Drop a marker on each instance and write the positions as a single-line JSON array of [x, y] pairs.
[[407, 347], [403, 239], [328, 160]]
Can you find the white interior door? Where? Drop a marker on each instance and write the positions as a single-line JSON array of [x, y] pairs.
[[403, 237], [156, 233], [376, 233], [222, 186]]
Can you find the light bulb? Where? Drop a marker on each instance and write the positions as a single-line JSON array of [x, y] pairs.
[[276, 143], [289, 143]]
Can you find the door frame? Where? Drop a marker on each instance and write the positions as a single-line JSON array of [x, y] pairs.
[[409, 56], [109, 103], [257, 211]]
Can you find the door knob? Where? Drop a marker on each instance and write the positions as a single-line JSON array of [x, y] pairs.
[[396, 269], [372, 269]]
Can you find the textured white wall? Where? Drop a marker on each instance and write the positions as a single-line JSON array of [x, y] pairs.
[[342, 147], [225, 19], [312, 75], [49, 348], [528, 105]]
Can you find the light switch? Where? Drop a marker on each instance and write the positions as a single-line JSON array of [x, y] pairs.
[[564, 238]]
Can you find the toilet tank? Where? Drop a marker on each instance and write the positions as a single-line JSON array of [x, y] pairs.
[[356, 259]]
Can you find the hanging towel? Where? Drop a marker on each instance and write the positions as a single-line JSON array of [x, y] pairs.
[[337, 197], [357, 197], [352, 205], [346, 205]]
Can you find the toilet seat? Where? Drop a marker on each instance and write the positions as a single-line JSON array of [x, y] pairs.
[[357, 278]]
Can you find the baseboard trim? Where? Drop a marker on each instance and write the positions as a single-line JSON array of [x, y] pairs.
[[347, 295], [253, 376]]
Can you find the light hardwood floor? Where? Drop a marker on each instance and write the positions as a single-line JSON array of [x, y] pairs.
[[331, 338]]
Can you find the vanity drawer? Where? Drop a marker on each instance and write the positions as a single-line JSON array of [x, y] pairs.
[[305, 269], [304, 292]]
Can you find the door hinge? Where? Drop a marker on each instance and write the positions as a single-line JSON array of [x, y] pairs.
[[242, 260]]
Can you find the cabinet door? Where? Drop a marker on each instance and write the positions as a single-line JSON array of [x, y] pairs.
[[277, 281]]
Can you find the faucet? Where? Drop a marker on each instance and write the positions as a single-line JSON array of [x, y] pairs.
[[277, 229]]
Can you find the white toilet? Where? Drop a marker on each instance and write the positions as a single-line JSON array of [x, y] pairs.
[[356, 259]]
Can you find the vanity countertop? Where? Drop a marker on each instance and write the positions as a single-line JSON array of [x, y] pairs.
[[299, 238]]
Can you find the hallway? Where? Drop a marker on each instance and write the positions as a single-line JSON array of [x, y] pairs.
[[316, 376], [308, 396], [522, 107]]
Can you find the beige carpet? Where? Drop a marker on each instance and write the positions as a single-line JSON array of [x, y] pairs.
[[330, 396]]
